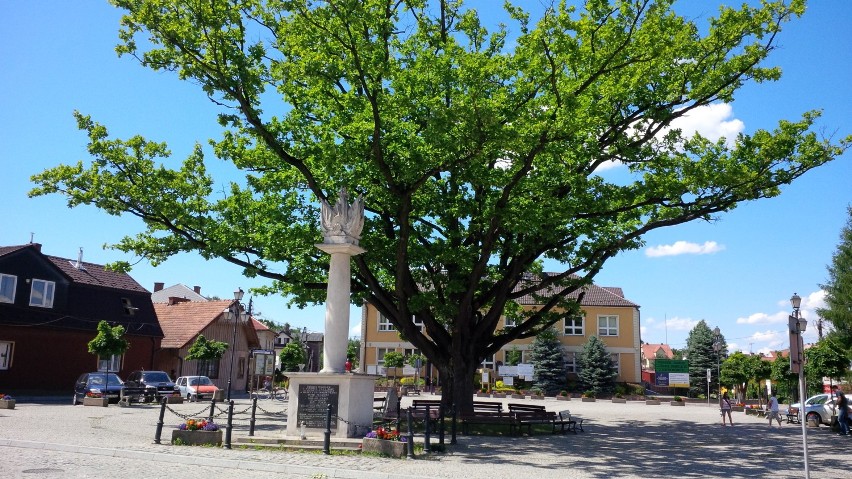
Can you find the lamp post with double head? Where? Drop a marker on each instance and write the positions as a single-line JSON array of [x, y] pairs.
[[797, 325], [235, 314]]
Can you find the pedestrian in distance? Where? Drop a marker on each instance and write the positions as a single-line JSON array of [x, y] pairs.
[[843, 414], [772, 411], [725, 407]]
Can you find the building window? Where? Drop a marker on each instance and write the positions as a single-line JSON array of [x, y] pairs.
[[380, 355], [8, 284], [572, 363], [241, 368], [607, 325], [616, 361], [417, 322], [526, 356], [488, 363], [509, 322], [129, 309], [209, 368], [410, 352], [113, 363], [385, 324], [574, 326], [42, 293], [6, 349]]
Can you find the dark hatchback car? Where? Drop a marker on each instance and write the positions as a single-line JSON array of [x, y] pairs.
[[154, 384], [98, 385]]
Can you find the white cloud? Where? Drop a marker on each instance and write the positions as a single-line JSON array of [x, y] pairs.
[[734, 347], [684, 247], [680, 324], [763, 318], [711, 121]]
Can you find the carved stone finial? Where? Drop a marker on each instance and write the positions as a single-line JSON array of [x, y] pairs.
[[342, 223]]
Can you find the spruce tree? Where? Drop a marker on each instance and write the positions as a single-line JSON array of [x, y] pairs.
[[549, 362], [702, 356], [597, 372], [838, 293]]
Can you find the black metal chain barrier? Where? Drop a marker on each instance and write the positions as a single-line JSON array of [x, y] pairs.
[[187, 416]]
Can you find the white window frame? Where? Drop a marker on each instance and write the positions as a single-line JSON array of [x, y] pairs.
[[605, 328], [380, 355], [616, 361], [509, 322], [6, 279], [114, 363], [572, 365], [384, 325], [489, 362], [7, 349], [569, 326], [43, 298]]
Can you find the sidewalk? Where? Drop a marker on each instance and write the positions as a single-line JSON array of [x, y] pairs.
[[621, 440]]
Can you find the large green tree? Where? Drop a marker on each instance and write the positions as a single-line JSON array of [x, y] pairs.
[[549, 362], [597, 371], [702, 356], [838, 292], [481, 152], [825, 359]]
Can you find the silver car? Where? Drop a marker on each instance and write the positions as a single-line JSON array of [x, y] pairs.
[[195, 388], [819, 408]]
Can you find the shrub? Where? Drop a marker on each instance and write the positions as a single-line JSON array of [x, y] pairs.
[[589, 394], [677, 398], [563, 393]]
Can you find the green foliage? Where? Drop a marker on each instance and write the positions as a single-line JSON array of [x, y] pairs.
[[838, 292], [744, 371], [826, 359], [353, 352], [549, 362], [597, 372], [394, 359], [109, 341], [411, 360], [513, 356], [203, 349], [292, 355], [480, 155], [702, 356]]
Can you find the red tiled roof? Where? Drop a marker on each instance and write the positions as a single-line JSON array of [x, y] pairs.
[[181, 322], [258, 326], [649, 351], [595, 295]]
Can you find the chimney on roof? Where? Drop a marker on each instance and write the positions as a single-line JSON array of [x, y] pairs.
[[37, 246], [158, 286], [197, 289], [173, 300], [79, 263]]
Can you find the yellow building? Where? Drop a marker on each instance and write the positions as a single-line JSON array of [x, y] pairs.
[[608, 315]]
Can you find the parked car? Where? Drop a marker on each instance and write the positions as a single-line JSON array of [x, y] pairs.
[[819, 407], [153, 385], [99, 384], [196, 388]]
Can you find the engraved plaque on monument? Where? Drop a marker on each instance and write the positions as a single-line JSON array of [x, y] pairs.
[[313, 401]]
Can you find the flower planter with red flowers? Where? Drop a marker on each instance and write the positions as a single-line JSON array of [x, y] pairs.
[[196, 432], [95, 399], [385, 442]]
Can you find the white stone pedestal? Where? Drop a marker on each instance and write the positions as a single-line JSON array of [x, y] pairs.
[[354, 393]]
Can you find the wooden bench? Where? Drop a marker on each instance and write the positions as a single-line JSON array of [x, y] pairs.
[[568, 422], [529, 415], [793, 416]]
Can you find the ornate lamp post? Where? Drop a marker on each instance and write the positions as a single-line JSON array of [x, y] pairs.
[[717, 347], [797, 325], [236, 314]]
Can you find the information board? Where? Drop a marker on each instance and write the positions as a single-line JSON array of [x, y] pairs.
[[313, 401], [671, 366]]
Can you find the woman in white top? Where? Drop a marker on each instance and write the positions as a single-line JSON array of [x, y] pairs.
[[725, 406]]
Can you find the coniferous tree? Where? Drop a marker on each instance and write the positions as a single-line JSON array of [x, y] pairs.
[[597, 372], [838, 292], [549, 362], [702, 356]]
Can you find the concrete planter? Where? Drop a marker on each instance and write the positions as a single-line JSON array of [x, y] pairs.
[[537, 396], [100, 402], [480, 395], [677, 403], [652, 402], [737, 408], [7, 404], [518, 396], [563, 398], [383, 447], [174, 400], [198, 438], [498, 395], [619, 400], [588, 399]]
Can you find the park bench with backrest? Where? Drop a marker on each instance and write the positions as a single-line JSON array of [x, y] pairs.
[[570, 422], [530, 415], [793, 415]]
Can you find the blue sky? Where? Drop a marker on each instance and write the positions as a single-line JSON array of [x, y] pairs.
[[737, 273]]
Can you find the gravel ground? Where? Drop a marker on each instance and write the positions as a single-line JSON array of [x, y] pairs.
[[630, 440]]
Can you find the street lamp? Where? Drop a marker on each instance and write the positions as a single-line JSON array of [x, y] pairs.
[[235, 315], [717, 347], [797, 325]]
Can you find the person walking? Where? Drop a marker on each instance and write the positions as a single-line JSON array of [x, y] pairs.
[[725, 407], [843, 414], [772, 411]]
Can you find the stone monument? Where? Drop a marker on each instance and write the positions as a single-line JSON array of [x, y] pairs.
[[349, 395]]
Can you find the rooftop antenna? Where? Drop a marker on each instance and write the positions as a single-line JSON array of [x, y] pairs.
[[32, 235]]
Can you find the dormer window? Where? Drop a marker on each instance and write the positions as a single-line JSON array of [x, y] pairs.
[[41, 294], [8, 284]]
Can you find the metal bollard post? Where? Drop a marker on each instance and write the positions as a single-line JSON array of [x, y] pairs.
[[326, 441], [253, 411], [410, 436], [398, 413], [453, 427], [212, 408], [159, 432], [427, 447], [230, 424], [441, 422]]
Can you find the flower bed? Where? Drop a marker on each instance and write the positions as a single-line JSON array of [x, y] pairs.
[[386, 442], [7, 402], [195, 432]]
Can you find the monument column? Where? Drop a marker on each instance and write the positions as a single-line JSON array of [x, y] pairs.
[[336, 339]]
